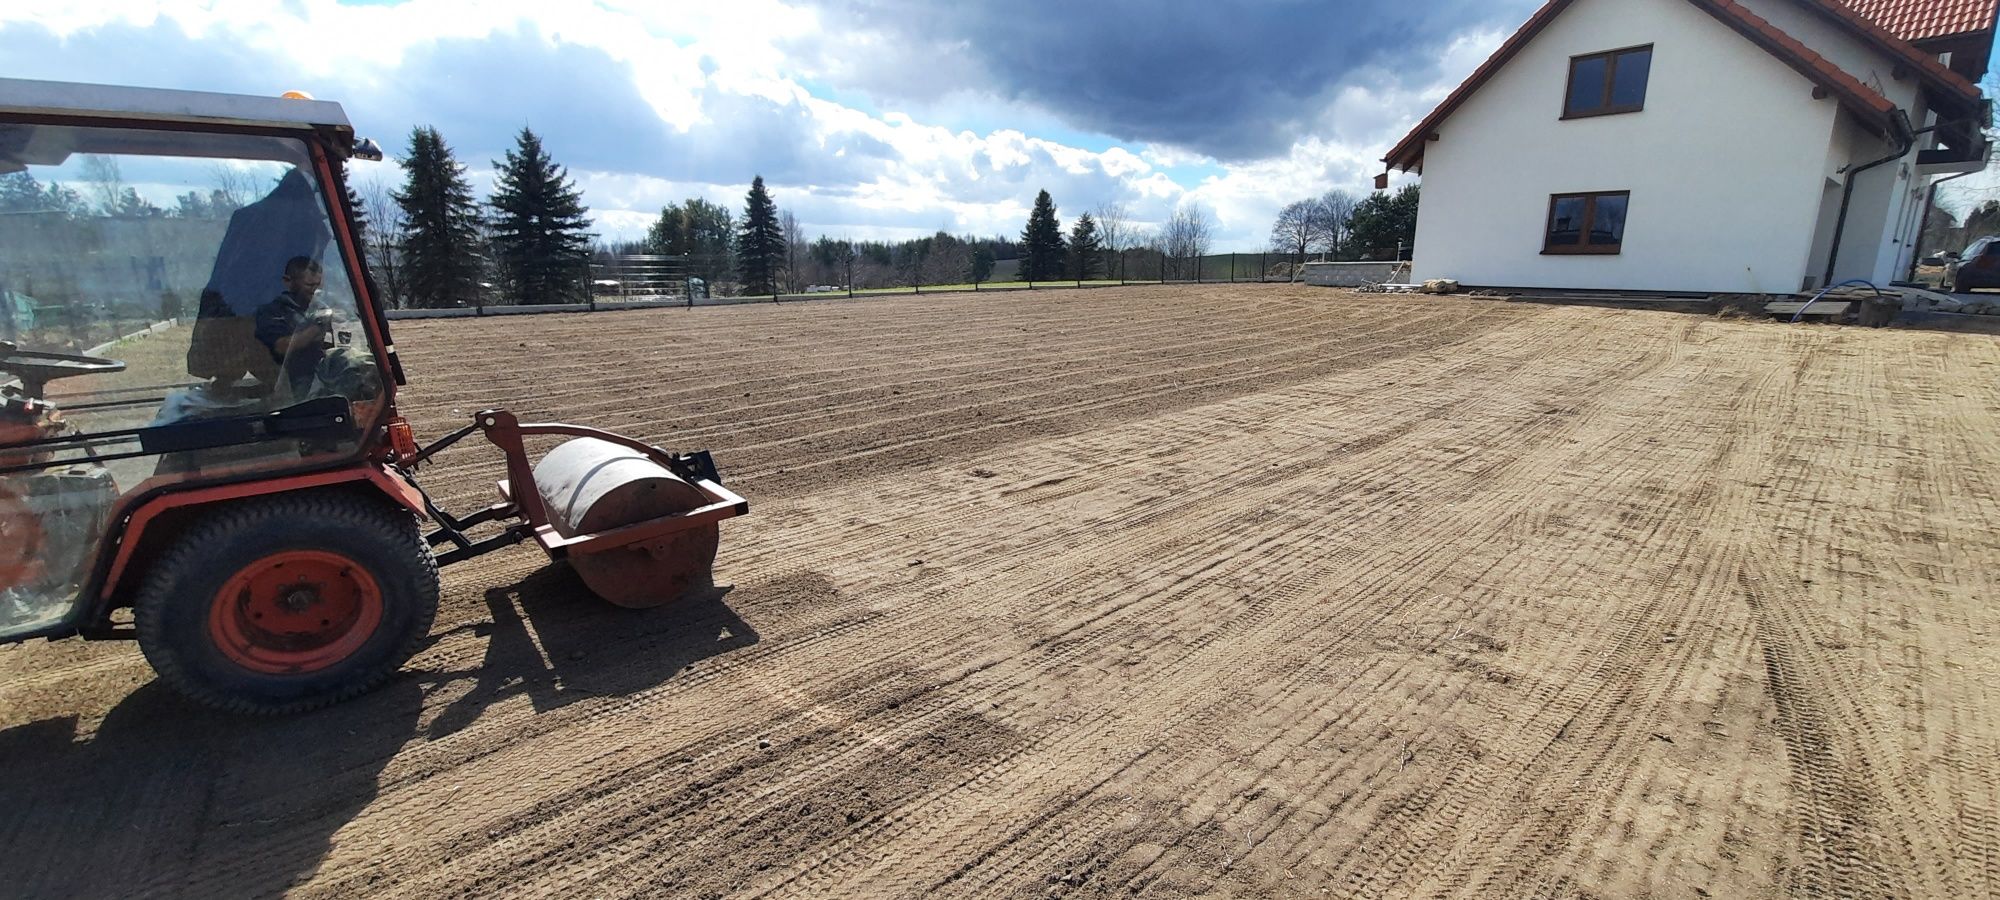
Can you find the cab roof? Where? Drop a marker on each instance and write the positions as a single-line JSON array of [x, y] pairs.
[[111, 103]]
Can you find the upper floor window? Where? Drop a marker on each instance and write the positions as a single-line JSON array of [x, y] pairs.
[[1611, 82]]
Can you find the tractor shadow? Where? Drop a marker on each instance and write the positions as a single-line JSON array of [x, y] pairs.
[[167, 798], [553, 641], [164, 797]]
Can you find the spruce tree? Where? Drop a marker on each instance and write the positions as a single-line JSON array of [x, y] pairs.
[[541, 237], [1042, 242], [1086, 253], [1383, 222], [357, 215], [20, 192], [760, 245], [440, 248]]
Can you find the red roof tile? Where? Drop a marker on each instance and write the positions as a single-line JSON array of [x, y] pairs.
[[1920, 20], [1870, 105]]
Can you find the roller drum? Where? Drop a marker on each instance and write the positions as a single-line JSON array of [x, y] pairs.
[[592, 486]]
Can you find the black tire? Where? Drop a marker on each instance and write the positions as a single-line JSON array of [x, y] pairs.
[[179, 596]]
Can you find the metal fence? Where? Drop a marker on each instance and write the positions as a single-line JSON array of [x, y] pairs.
[[642, 277], [1109, 269], [652, 279]]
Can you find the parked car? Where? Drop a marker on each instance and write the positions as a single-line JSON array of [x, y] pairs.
[[1978, 267]]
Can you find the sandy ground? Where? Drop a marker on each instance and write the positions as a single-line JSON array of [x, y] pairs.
[[1251, 591]]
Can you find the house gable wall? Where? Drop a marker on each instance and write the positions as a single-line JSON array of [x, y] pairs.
[[1880, 236], [1840, 47], [1726, 165]]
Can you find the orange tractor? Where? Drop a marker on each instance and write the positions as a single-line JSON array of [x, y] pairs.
[[198, 417]]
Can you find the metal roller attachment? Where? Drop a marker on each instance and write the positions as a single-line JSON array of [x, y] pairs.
[[592, 486]]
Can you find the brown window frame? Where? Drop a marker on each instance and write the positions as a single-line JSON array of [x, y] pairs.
[[1582, 245], [1604, 107]]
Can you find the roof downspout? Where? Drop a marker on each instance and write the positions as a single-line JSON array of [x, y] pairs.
[[1899, 126]]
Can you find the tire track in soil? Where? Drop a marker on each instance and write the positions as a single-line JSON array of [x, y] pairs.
[[1415, 845], [1129, 403]]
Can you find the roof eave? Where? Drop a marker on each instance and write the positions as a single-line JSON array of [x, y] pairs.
[[1955, 88]]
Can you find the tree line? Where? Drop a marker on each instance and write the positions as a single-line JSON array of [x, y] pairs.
[[764, 251], [432, 244], [1337, 225], [1100, 242]]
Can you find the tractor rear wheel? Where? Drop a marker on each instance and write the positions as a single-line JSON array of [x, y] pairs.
[[288, 603]]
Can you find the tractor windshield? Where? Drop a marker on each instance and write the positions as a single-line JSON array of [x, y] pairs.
[[173, 308]]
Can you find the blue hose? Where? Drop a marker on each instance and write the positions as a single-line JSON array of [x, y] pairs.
[[1823, 292]]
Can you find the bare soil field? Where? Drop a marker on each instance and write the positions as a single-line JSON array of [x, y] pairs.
[[1160, 592]]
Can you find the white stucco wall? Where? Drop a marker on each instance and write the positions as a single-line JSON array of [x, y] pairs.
[[1726, 164], [1881, 235], [1839, 47]]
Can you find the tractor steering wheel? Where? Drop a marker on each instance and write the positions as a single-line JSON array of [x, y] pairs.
[[37, 368]]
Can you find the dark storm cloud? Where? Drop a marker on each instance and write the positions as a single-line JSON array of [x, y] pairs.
[[1233, 80]]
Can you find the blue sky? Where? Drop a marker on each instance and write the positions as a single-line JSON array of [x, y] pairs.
[[871, 120]]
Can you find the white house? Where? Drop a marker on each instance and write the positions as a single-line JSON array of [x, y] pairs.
[[1747, 146]]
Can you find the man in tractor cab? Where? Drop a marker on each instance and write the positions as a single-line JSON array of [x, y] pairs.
[[287, 223], [288, 328]]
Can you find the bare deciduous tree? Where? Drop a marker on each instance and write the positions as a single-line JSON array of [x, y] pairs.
[[386, 225], [1297, 228], [233, 186], [795, 252], [1332, 213], [105, 183], [1185, 236], [947, 259], [1114, 232]]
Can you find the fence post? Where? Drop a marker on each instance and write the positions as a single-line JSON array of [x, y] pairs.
[[1197, 268], [1263, 267]]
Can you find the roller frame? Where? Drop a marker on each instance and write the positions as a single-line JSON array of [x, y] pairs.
[[521, 500]]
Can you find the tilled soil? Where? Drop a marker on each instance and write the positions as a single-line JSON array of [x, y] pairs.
[[1217, 591]]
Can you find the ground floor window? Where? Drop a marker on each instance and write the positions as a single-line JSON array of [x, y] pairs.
[[1586, 223]]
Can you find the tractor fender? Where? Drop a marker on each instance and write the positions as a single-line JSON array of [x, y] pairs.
[[390, 485]]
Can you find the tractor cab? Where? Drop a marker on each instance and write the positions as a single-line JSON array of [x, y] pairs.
[[179, 306], [198, 412]]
